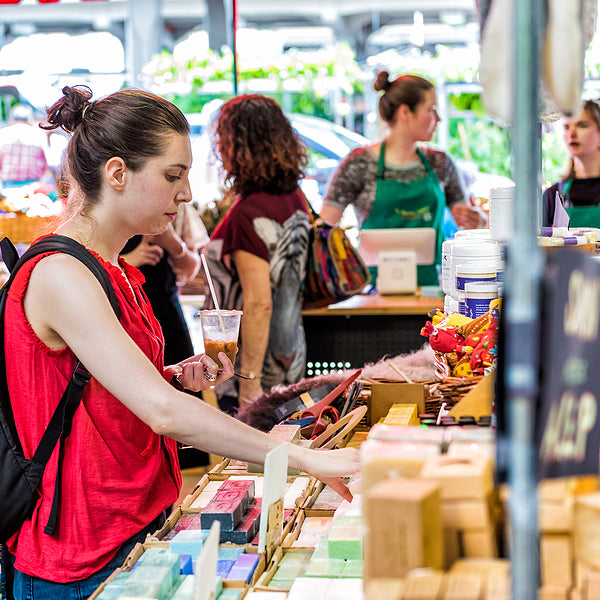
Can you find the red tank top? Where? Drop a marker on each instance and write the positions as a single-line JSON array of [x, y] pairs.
[[118, 475]]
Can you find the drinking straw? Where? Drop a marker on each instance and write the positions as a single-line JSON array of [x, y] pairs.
[[212, 291], [210, 283]]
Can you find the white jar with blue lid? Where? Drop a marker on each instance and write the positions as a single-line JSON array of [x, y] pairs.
[[478, 297], [467, 250], [477, 271]]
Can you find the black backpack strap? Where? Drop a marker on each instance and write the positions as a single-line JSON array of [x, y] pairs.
[[9, 253], [61, 422]]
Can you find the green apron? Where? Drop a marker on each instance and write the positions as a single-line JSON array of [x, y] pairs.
[[579, 216], [419, 203]]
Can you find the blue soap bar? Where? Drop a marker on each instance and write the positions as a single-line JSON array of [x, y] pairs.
[[185, 564], [223, 567]]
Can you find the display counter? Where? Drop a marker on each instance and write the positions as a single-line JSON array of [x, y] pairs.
[[364, 328]]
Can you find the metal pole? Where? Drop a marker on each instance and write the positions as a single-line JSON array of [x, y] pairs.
[[234, 18], [521, 311]]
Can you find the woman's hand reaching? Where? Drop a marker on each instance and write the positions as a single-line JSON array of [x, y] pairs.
[[200, 372]]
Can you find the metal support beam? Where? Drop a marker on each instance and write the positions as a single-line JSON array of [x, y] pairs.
[[521, 311]]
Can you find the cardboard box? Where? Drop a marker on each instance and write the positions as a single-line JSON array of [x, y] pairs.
[[403, 528], [385, 395]]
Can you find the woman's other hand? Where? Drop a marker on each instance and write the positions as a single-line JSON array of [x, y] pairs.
[[469, 217], [145, 253], [200, 372]]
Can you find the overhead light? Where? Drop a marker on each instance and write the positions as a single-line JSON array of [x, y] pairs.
[[453, 17], [417, 33]]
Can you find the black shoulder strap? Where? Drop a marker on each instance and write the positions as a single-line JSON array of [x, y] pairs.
[[60, 424]]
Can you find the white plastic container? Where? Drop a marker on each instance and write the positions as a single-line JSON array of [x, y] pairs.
[[447, 283], [478, 297], [471, 233], [450, 304], [469, 251], [477, 271], [462, 308], [502, 200]]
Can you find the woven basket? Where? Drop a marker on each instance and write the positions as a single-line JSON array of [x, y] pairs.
[[23, 229]]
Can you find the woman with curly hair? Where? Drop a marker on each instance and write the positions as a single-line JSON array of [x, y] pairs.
[[257, 254]]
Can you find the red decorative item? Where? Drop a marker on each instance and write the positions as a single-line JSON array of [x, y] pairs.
[[10, 1]]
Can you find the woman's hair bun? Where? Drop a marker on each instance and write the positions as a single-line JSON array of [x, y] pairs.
[[382, 82], [68, 112]]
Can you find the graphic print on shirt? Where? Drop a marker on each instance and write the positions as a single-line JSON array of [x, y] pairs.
[[287, 245]]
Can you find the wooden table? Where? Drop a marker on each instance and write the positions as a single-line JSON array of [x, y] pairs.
[[365, 328]]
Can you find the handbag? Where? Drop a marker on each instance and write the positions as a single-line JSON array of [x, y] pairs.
[[334, 268]]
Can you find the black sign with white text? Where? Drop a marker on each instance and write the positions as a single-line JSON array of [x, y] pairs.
[[568, 429]]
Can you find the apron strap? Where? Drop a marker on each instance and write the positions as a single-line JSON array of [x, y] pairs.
[[381, 161], [425, 163]]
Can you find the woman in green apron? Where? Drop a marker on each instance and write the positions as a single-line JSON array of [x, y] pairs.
[[580, 189], [396, 183]]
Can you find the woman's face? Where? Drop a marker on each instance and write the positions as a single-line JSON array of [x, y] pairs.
[[162, 184], [424, 120], [582, 135]]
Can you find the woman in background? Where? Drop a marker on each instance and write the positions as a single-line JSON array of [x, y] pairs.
[[257, 254], [580, 187], [397, 182]]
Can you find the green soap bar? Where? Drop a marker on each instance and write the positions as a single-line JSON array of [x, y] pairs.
[[280, 584], [321, 549], [325, 567], [161, 576], [162, 557], [141, 589], [345, 549], [118, 581], [353, 568], [230, 553], [288, 571], [345, 521], [185, 589], [218, 585], [229, 594], [295, 558]]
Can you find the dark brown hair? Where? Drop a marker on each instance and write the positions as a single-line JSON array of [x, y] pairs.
[[258, 147], [130, 124], [408, 89], [592, 109]]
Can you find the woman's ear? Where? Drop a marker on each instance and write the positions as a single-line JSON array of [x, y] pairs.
[[403, 112], [115, 171]]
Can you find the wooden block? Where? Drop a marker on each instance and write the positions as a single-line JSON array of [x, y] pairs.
[[381, 460], [390, 589], [460, 477], [403, 528], [548, 592], [466, 514], [556, 517], [586, 529], [556, 559], [463, 586], [498, 587], [428, 586], [480, 543], [452, 546]]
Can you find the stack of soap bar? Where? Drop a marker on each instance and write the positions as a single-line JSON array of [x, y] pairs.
[[229, 505], [344, 540], [149, 582], [184, 522], [284, 433], [188, 541], [244, 567], [291, 566], [402, 414]]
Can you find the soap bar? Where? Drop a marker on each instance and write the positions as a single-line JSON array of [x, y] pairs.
[[229, 505], [247, 529], [188, 541], [162, 557]]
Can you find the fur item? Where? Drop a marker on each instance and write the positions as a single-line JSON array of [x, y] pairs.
[[418, 365]]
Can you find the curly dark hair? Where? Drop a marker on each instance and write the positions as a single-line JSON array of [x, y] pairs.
[[257, 146]]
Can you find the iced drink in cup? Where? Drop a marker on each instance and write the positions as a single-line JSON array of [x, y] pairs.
[[220, 330]]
